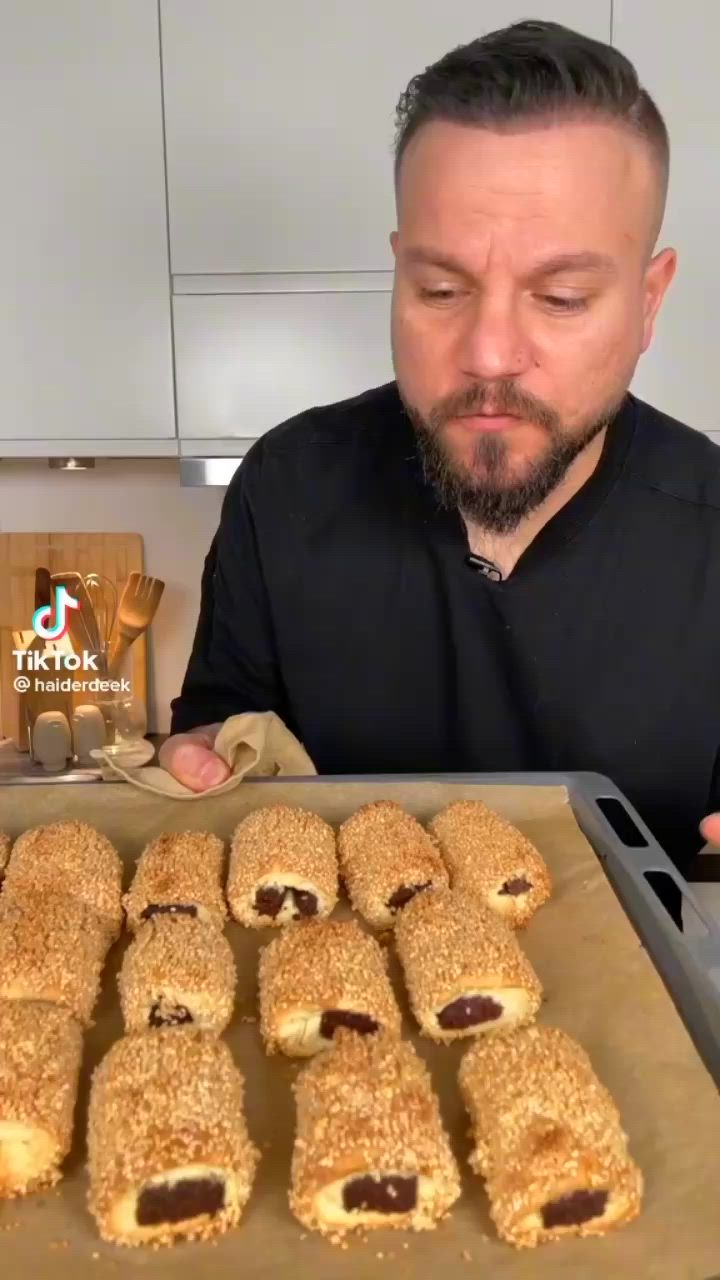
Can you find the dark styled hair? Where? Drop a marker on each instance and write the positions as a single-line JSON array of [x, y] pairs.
[[532, 71]]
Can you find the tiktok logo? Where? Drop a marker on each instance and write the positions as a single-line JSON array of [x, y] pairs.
[[42, 623]]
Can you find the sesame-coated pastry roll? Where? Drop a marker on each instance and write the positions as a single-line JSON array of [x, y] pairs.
[[51, 948], [5, 847], [74, 858], [169, 1154], [40, 1052], [370, 1146], [319, 975], [487, 855], [548, 1138], [386, 857], [178, 874], [464, 969], [283, 867], [177, 970]]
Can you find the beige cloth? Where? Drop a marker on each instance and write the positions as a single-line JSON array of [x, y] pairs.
[[254, 744]]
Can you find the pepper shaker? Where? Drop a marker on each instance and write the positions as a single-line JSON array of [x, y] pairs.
[[51, 741], [89, 732]]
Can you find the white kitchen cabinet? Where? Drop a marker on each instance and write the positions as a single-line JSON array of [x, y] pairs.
[[674, 48], [247, 361], [85, 312], [280, 121]]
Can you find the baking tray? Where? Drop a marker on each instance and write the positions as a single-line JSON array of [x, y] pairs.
[[653, 1041]]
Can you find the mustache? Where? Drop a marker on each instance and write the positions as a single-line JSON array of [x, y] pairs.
[[498, 397]]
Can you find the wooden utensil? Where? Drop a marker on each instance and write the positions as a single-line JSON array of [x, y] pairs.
[[43, 588], [136, 610]]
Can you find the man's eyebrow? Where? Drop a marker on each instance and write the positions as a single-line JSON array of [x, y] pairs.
[[585, 260], [421, 255]]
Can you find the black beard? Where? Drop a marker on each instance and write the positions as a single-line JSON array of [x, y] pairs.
[[488, 503]]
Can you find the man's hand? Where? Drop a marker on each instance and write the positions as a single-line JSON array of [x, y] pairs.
[[710, 828], [189, 757]]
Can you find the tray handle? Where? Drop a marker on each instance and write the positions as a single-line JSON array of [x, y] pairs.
[[621, 836]]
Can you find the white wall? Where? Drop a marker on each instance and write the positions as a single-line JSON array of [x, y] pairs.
[[128, 497]]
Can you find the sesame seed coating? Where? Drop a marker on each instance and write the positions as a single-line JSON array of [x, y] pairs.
[[5, 847], [281, 845], [183, 868], [164, 1102], [40, 1052], [483, 852], [382, 849], [368, 1107], [178, 962], [319, 965], [75, 859], [544, 1126], [450, 944], [51, 948]]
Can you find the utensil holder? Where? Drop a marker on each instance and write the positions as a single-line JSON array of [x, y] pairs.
[[110, 556], [124, 713]]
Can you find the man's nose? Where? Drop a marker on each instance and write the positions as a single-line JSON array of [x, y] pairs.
[[493, 344]]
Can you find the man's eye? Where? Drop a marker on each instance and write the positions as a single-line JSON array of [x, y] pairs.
[[438, 295], [564, 304]]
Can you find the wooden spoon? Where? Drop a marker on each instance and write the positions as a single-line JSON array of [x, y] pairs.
[[43, 588], [136, 610]]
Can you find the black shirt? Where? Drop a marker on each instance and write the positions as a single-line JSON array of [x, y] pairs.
[[337, 593]]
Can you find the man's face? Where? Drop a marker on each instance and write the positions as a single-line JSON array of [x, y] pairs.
[[523, 287]]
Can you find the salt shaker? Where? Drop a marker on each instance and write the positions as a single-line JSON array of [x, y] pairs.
[[51, 741], [89, 732]]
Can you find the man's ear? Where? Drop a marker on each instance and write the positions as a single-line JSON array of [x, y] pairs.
[[657, 279]]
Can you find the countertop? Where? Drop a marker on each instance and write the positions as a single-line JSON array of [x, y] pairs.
[[17, 767]]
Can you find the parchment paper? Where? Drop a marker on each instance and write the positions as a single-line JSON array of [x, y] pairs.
[[599, 985]]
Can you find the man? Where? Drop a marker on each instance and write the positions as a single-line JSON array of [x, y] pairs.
[[502, 560]]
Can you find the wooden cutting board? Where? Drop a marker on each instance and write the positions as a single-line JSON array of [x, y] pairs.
[[114, 555]]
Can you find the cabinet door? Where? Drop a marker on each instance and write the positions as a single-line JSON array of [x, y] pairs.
[[247, 361], [674, 48], [280, 121], [85, 349]]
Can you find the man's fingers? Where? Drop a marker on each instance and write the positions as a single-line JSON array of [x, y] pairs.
[[187, 757], [710, 828]]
